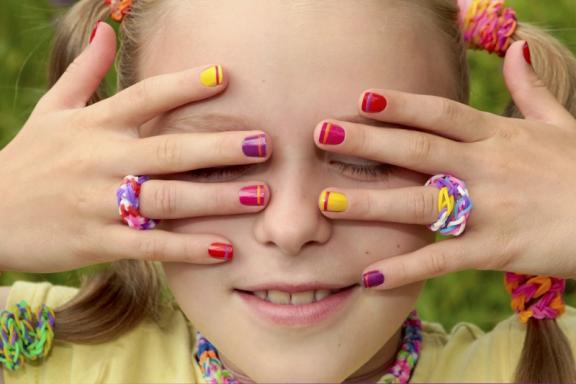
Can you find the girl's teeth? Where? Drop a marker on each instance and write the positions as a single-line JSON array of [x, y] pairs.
[[279, 297]]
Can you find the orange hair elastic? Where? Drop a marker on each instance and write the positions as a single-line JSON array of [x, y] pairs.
[[118, 8], [536, 296]]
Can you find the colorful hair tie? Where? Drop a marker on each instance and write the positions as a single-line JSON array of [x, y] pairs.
[[536, 296], [118, 8], [25, 335], [488, 24]]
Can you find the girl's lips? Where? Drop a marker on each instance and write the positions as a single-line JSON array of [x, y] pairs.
[[298, 315]]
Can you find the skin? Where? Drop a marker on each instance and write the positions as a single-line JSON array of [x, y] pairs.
[[291, 65]]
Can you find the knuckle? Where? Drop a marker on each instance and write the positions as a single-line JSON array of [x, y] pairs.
[[423, 205], [363, 143], [449, 110], [169, 151], [419, 147], [142, 90], [438, 262], [151, 248], [165, 198]]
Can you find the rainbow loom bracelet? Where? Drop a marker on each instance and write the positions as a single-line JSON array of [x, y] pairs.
[[25, 335]]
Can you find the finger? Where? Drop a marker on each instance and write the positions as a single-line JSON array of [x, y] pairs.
[[410, 205], [162, 199], [530, 94], [150, 97], [83, 76], [419, 151], [439, 115], [123, 242], [433, 260], [173, 153]]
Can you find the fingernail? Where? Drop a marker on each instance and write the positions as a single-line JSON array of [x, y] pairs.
[[333, 202], [526, 52], [253, 195], [372, 279], [373, 102], [212, 76], [332, 134], [254, 146], [221, 251], [94, 29]]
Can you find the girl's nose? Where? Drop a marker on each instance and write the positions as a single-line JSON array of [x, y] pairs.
[[292, 218]]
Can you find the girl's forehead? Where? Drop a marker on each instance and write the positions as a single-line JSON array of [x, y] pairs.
[[294, 54]]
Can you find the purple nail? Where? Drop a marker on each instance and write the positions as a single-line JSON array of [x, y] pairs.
[[254, 146], [372, 279]]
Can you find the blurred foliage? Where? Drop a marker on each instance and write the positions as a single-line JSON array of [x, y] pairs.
[[25, 31]]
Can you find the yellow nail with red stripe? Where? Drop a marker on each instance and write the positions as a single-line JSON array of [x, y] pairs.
[[212, 76], [333, 201]]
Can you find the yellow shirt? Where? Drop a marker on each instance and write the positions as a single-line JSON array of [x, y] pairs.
[[148, 354]]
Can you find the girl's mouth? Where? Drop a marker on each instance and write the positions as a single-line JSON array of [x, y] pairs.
[[298, 308]]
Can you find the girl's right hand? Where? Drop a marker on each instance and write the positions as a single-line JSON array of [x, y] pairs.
[[60, 174]]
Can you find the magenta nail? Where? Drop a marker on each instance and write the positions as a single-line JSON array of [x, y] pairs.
[[253, 195], [332, 134], [372, 279], [255, 146]]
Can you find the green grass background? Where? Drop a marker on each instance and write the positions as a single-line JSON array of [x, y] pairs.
[[476, 296]]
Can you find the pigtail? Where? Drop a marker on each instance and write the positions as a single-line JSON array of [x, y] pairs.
[[546, 355], [116, 299]]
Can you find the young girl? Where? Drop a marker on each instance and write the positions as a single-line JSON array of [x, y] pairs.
[[302, 262]]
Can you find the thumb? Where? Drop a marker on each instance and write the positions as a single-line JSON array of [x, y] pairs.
[[530, 94], [83, 76]]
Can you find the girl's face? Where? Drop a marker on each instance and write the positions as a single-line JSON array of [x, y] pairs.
[[292, 64]]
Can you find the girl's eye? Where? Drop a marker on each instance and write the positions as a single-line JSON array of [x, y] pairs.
[[370, 172], [217, 173]]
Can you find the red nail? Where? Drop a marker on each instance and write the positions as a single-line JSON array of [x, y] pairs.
[[526, 52], [93, 34], [221, 251], [253, 195], [373, 102]]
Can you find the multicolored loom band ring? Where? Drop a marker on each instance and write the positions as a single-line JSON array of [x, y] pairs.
[[128, 197], [454, 204]]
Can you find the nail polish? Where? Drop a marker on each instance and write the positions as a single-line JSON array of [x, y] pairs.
[[221, 251], [333, 202], [372, 279], [373, 102], [94, 29], [253, 195], [332, 134], [255, 146], [212, 76], [526, 52]]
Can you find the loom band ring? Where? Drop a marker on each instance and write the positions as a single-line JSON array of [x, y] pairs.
[[454, 204], [128, 199]]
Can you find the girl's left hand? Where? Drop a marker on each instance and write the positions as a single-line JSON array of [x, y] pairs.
[[520, 174]]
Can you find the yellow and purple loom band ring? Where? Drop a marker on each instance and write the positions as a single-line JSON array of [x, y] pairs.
[[128, 198], [454, 204]]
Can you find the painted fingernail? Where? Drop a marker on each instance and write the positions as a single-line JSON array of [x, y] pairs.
[[221, 251], [253, 195], [255, 146], [212, 76], [526, 52], [333, 202], [372, 279], [332, 134], [373, 102], [94, 29]]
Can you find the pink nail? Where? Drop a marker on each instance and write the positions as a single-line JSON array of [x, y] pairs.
[[254, 195]]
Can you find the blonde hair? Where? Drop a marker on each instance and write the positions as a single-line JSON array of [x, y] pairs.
[[115, 300]]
